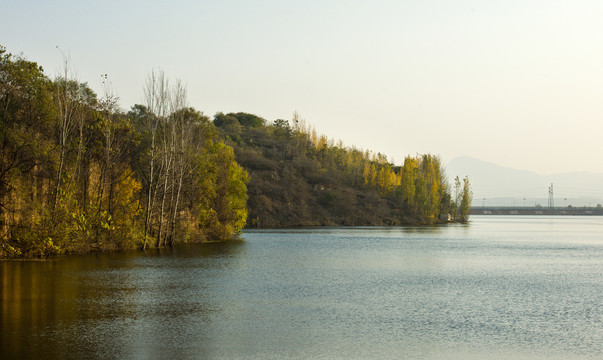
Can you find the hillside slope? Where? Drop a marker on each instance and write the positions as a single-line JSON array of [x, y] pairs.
[[299, 179]]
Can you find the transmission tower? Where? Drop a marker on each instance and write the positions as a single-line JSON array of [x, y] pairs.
[[551, 198]]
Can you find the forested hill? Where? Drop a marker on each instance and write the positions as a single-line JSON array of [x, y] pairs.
[[78, 174], [298, 178]]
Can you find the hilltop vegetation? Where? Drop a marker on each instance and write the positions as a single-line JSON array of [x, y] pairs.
[[298, 178]]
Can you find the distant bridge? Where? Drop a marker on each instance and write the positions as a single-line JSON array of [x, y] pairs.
[[535, 210]]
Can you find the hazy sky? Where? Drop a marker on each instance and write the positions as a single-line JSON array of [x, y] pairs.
[[517, 83]]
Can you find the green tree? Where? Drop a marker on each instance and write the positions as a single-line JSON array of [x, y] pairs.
[[466, 198], [26, 129], [67, 167], [408, 184]]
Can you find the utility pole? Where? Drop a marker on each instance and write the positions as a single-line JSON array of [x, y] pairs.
[[551, 199]]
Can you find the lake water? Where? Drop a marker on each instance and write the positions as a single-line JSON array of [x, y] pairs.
[[501, 287]]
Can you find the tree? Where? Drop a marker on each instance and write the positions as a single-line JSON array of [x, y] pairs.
[[68, 98], [408, 184], [282, 128], [72, 167], [26, 131], [187, 123], [466, 198], [157, 101]]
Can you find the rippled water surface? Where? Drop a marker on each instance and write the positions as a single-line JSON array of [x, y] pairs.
[[501, 287]]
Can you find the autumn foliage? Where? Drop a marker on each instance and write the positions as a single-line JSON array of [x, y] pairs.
[[75, 174], [78, 174], [300, 178]]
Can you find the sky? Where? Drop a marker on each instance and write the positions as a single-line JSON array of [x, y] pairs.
[[516, 83]]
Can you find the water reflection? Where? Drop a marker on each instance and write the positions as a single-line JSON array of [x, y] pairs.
[[490, 289], [356, 229], [113, 306]]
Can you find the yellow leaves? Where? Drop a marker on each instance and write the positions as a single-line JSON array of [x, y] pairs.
[[8, 252], [49, 248], [207, 216], [106, 221], [369, 174], [81, 221], [386, 180], [421, 183], [126, 191], [222, 202]]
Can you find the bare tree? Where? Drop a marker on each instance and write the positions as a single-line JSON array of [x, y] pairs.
[[167, 157], [157, 101], [172, 159], [68, 106], [182, 134], [108, 107]]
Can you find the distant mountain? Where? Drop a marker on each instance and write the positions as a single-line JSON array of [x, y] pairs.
[[497, 185]]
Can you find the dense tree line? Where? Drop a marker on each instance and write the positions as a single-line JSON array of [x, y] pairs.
[[78, 174], [298, 178]]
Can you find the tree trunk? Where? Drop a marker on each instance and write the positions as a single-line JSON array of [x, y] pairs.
[[175, 211], [147, 222]]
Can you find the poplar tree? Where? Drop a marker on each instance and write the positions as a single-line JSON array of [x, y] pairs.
[[466, 199]]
